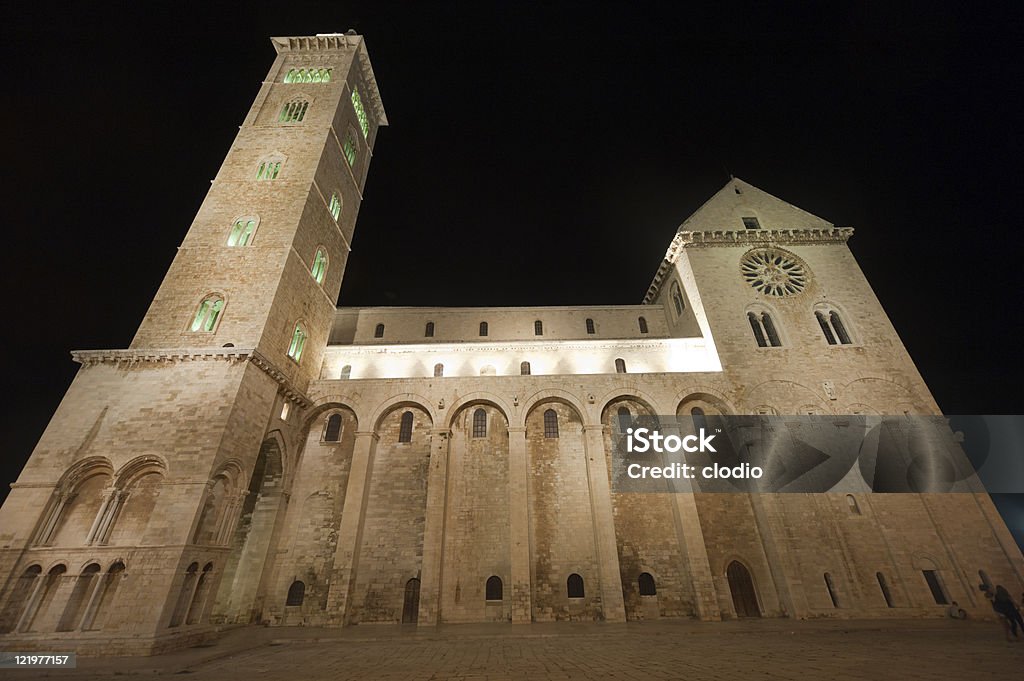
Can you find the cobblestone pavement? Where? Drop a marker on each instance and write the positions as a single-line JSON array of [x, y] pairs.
[[766, 649]]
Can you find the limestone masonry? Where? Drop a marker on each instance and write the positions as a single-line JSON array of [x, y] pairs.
[[257, 455]]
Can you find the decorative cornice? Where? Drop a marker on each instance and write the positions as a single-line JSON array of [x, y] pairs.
[[287, 389], [747, 237], [316, 43], [128, 359]]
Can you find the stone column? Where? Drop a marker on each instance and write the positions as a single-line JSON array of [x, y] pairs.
[[692, 549], [433, 529], [50, 524], [350, 532], [520, 590], [612, 604]]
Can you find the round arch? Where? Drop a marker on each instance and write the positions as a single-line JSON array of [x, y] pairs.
[[86, 468], [397, 402], [137, 468], [628, 392], [554, 395], [479, 397], [328, 403], [707, 396]]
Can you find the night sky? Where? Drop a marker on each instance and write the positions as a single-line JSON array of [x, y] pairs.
[[537, 155]]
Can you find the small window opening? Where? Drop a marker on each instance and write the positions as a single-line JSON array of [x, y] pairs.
[[646, 584], [479, 423], [405, 428], [550, 424]]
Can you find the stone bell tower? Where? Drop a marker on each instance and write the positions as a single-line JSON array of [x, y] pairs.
[[150, 503]]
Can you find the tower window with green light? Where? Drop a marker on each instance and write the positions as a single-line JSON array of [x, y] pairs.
[[319, 265], [335, 206], [308, 76], [293, 112], [298, 342], [349, 147], [268, 170], [357, 104], [208, 313], [241, 232]]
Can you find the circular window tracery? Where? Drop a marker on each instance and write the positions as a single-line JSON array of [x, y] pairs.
[[773, 273]]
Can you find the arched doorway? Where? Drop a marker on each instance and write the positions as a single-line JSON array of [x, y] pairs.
[[741, 585], [411, 606]]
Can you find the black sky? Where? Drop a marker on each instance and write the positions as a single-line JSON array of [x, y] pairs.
[[538, 153]]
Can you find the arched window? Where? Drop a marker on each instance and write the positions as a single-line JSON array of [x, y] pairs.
[[357, 104], [483, 328], [378, 331], [241, 232], [624, 418], [574, 586], [319, 265], [77, 601], [332, 433], [885, 589], [296, 593], [699, 420], [620, 366], [830, 585], [405, 428], [524, 368], [349, 148], [492, 590], [550, 423], [438, 370], [479, 423], [298, 343], [268, 169], [346, 372], [642, 323], [538, 328], [208, 313], [335, 207], [646, 584], [18, 599], [764, 329], [931, 577], [428, 332], [851, 503], [293, 112], [985, 581], [832, 327], [677, 299], [590, 326], [43, 603]]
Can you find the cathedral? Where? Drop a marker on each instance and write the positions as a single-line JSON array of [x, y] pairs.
[[257, 455]]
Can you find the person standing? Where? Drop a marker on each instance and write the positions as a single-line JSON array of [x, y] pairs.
[[1004, 605]]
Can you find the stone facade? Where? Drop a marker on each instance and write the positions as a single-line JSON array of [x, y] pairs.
[[429, 465]]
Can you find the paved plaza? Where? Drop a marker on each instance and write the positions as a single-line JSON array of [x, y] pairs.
[[753, 649]]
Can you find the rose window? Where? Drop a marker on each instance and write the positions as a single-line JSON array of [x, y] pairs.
[[773, 273]]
